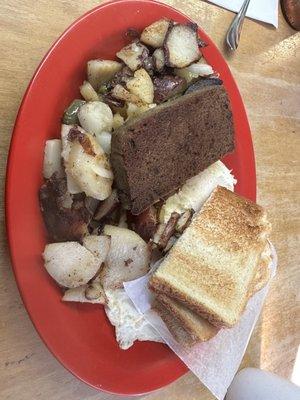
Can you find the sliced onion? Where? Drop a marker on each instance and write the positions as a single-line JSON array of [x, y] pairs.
[[88, 92], [123, 220], [52, 159], [104, 139], [103, 172], [95, 117], [72, 185], [200, 69], [107, 206]]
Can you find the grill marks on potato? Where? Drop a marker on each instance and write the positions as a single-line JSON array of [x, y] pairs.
[[83, 139]]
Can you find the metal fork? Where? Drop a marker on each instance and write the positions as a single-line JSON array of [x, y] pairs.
[[234, 31]]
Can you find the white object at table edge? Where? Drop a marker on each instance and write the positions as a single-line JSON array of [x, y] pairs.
[[261, 10]]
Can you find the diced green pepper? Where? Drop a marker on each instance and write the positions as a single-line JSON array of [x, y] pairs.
[[70, 115], [104, 88]]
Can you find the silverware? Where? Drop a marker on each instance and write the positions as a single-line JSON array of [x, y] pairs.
[[234, 31]]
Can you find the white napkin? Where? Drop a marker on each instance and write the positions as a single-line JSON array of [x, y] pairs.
[[214, 362], [262, 10]]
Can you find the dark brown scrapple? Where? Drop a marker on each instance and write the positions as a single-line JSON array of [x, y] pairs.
[[155, 154]]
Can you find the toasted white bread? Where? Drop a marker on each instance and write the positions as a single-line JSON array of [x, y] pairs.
[[263, 273], [185, 325], [212, 267], [173, 324], [192, 323], [188, 322]]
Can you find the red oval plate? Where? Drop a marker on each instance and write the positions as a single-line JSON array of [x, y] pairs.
[[79, 335]]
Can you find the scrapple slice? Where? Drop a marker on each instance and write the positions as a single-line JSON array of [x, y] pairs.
[[156, 153]]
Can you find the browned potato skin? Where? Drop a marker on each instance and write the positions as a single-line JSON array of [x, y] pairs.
[[167, 86], [132, 58], [159, 59], [112, 101], [148, 65], [122, 77], [63, 224], [107, 206], [184, 221], [193, 28], [169, 230], [145, 223]]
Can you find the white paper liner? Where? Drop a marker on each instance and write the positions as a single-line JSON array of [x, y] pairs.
[[214, 362], [262, 10]]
